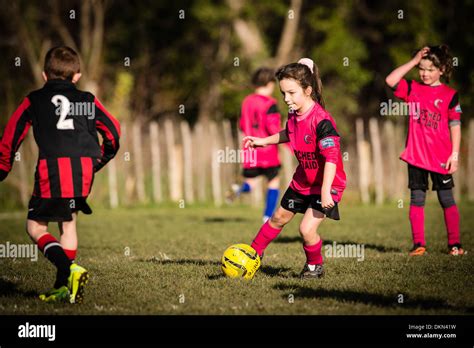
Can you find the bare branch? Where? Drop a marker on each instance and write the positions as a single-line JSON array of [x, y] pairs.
[[290, 29], [26, 39]]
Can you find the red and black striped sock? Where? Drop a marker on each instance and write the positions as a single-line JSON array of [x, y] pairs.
[[54, 252]]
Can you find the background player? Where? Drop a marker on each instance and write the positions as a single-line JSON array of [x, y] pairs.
[[319, 180], [433, 142], [65, 123], [260, 118]]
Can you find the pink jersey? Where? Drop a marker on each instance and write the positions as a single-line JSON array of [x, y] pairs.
[[260, 118], [432, 111], [315, 141]]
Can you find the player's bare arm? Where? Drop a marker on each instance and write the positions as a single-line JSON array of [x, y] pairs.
[[396, 75], [453, 160], [276, 138], [329, 174]]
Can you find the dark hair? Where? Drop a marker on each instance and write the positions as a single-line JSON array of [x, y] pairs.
[[263, 76], [442, 59], [302, 74], [61, 63]]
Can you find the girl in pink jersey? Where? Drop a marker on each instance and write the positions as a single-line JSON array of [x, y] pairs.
[[434, 138], [260, 118], [319, 180]]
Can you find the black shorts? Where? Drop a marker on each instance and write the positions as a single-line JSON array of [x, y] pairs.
[[270, 172], [56, 209], [418, 179], [298, 203]]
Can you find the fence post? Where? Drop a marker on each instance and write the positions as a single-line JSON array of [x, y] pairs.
[[175, 193], [113, 193], [364, 161], [138, 161], [188, 162], [378, 164], [215, 166], [155, 162]]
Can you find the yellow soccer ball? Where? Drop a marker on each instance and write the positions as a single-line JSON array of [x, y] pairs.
[[240, 261]]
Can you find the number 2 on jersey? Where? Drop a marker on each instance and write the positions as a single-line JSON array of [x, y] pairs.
[[63, 103]]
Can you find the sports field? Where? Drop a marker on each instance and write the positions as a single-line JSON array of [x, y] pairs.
[[166, 260]]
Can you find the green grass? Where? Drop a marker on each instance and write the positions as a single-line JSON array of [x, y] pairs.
[[166, 260]]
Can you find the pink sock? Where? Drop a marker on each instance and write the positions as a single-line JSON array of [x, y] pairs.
[[417, 220], [313, 253], [264, 237], [451, 219]]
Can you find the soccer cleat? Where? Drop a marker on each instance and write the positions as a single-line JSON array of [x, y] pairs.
[[418, 250], [456, 250], [56, 295], [76, 282], [307, 273]]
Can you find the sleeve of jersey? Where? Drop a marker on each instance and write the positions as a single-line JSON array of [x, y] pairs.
[[454, 111], [273, 120], [328, 141], [13, 135], [402, 89], [109, 128]]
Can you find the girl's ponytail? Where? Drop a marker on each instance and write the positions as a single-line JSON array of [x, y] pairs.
[[317, 86]]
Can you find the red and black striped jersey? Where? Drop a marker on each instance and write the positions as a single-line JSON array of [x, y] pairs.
[[65, 123]]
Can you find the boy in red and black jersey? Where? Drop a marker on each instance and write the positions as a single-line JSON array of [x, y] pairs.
[[65, 123]]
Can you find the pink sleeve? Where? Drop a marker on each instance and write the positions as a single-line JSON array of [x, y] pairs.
[[454, 111], [273, 123], [330, 147], [402, 89]]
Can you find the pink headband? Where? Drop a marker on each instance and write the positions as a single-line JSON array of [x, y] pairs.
[[308, 62]]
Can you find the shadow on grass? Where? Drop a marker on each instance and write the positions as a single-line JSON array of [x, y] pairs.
[[220, 219], [379, 248], [266, 269], [8, 288], [368, 298], [182, 262]]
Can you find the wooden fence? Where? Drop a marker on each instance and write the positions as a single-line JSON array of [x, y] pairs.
[[168, 161]]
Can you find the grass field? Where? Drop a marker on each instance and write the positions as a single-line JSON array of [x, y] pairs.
[[166, 260]]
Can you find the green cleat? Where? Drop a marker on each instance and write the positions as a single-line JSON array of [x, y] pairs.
[[56, 295], [76, 282]]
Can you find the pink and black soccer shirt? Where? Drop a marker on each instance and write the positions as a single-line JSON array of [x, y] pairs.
[[314, 140], [432, 111]]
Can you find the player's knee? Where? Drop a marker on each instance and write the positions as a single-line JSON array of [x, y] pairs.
[[278, 219], [417, 198], [306, 231], [446, 198], [34, 231]]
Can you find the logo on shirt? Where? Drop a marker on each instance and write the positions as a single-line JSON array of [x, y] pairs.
[[308, 139], [328, 142], [437, 101], [458, 108]]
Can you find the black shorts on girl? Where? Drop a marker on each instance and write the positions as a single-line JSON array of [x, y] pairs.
[[56, 209], [418, 179], [298, 203], [270, 173]]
